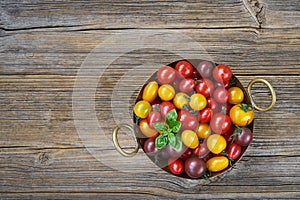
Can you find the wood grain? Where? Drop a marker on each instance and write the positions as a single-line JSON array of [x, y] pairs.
[[43, 46]]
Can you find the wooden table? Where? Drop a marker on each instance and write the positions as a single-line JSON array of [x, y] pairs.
[[46, 49]]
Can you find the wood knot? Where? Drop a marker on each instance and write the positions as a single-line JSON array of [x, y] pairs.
[[44, 158]]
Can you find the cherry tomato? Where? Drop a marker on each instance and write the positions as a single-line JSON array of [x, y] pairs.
[[195, 75], [211, 103], [176, 166], [236, 95], [226, 85], [146, 130], [149, 147], [201, 151], [194, 167], [228, 135], [205, 86], [190, 139], [203, 130], [166, 92], [216, 143], [154, 116], [233, 151], [217, 163], [180, 100], [241, 114], [175, 83], [205, 69], [188, 121], [221, 95], [187, 85], [142, 109], [173, 153], [166, 107], [244, 138], [188, 153], [220, 123], [184, 68], [205, 115], [222, 74], [150, 91], [198, 102], [166, 75]]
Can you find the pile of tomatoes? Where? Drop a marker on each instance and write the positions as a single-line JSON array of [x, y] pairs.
[[194, 118]]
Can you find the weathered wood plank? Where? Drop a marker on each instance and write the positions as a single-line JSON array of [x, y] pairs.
[[138, 14], [273, 51]]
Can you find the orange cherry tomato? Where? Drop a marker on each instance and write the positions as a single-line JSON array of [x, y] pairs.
[[241, 114], [203, 130], [146, 130], [236, 95], [217, 163], [198, 101], [166, 92], [180, 100], [142, 109], [190, 139], [216, 143]]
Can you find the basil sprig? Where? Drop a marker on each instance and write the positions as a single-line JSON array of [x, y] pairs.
[[169, 130]]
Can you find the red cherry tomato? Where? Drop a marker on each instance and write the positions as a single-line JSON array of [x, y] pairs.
[[154, 116], [187, 85], [225, 107], [166, 107], [205, 115], [211, 103], [188, 121], [205, 86], [220, 123], [184, 68], [222, 73], [233, 151], [176, 166], [166, 75], [221, 95]]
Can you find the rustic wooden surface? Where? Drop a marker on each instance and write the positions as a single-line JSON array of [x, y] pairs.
[[43, 45]]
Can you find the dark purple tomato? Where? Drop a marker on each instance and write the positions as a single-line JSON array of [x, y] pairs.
[[205, 69], [244, 138], [194, 167], [188, 153], [201, 150], [187, 85], [176, 166], [196, 75], [149, 147], [205, 87], [154, 116], [188, 121], [228, 135], [233, 151], [221, 95]]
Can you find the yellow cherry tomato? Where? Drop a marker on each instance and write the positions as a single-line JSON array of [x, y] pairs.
[[203, 130], [216, 143], [190, 139], [180, 100], [198, 102], [150, 91], [217, 163], [146, 130], [142, 109], [166, 92], [236, 95], [241, 114]]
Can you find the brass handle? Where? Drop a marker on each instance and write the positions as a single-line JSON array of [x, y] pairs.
[[273, 94], [116, 142]]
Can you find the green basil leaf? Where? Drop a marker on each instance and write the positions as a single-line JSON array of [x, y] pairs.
[[176, 125], [161, 141], [178, 145], [171, 117], [159, 126], [172, 140]]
